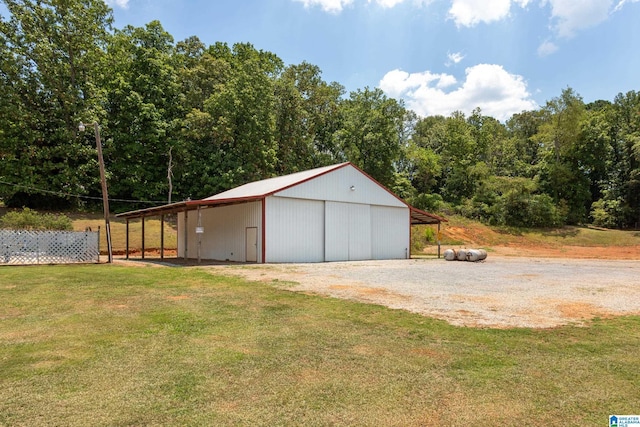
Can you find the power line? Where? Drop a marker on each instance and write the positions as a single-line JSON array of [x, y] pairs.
[[63, 194]]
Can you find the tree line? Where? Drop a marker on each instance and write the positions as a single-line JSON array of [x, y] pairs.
[[185, 120]]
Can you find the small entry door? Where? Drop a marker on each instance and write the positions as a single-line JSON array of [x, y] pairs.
[[251, 250]]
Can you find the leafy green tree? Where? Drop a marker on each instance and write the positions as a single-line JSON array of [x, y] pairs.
[[143, 107], [307, 116], [623, 183], [592, 152], [230, 141], [491, 137], [201, 71], [52, 56], [521, 152], [512, 201], [459, 154], [424, 167], [559, 173], [370, 133]]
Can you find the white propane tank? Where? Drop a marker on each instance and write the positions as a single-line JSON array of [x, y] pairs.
[[462, 254], [475, 255], [450, 255]]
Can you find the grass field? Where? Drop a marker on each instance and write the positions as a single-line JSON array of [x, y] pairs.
[[106, 345], [119, 232]]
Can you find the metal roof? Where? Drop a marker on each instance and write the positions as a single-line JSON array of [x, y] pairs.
[[258, 190], [267, 187], [421, 217]]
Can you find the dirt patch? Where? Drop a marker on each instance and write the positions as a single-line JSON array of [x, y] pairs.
[[581, 310], [178, 297], [378, 295], [570, 252]]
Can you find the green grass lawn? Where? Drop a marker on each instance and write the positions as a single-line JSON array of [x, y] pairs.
[[107, 345]]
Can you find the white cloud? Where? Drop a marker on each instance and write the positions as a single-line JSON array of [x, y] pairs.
[[454, 58], [397, 83], [498, 93], [547, 48], [332, 6], [392, 3], [120, 3], [387, 3], [468, 13], [622, 3], [570, 16]]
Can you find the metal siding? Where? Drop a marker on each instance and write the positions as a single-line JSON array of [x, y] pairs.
[[180, 224], [390, 232], [224, 236], [192, 217], [336, 186], [294, 230]]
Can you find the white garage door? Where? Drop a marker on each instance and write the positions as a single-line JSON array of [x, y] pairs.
[[347, 231]]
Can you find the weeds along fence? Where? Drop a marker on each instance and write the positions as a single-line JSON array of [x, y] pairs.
[[21, 247]]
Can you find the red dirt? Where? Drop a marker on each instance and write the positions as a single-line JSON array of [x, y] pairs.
[[575, 252], [483, 237], [590, 252]]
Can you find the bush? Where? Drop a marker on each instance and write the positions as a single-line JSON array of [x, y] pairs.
[[608, 213], [427, 202], [512, 202], [422, 235], [28, 219]]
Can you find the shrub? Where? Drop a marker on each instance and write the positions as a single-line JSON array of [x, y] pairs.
[[427, 202], [422, 236], [608, 213], [28, 219]]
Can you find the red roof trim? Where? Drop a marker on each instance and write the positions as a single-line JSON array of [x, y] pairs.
[[231, 201]]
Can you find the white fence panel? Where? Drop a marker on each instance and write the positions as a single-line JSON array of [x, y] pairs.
[[48, 247]]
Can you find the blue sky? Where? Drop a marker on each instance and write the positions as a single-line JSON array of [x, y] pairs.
[[439, 56]]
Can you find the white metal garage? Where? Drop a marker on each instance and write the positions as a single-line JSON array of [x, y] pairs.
[[333, 213]]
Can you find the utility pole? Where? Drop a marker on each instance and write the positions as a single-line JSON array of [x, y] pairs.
[[103, 180]]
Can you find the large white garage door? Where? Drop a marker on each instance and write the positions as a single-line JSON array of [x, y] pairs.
[[347, 231]]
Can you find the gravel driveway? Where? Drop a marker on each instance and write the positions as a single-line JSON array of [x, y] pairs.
[[501, 292]]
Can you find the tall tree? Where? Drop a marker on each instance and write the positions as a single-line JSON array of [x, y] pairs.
[[307, 116], [459, 156], [231, 140], [626, 154], [491, 139], [143, 106], [371, 131], [424, 152], [560, 175], [522, 152], [52, 56]]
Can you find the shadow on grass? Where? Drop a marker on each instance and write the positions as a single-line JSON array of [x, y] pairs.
[[179, 262]]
